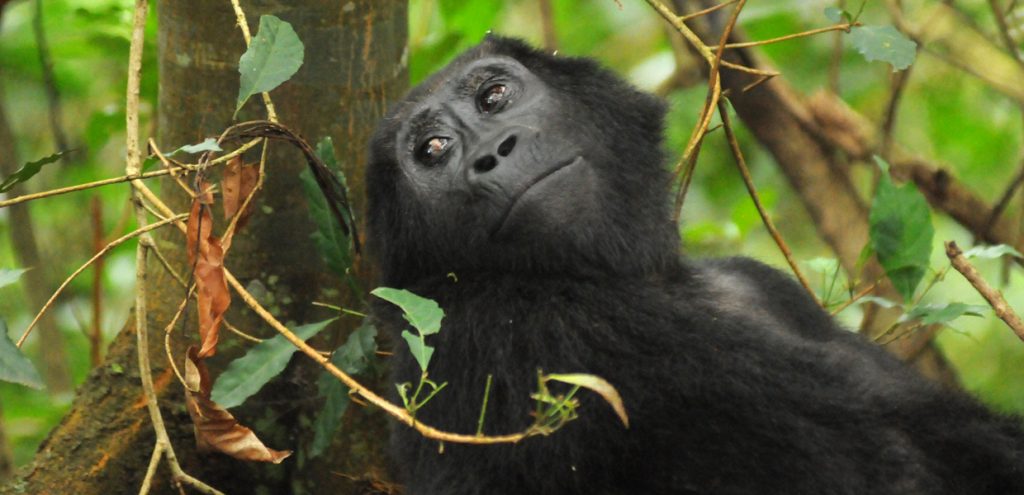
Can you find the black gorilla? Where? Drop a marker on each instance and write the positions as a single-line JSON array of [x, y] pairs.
[[527, 194]]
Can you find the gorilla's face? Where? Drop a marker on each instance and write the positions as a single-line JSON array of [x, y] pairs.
[[488, 150], [514, 160]]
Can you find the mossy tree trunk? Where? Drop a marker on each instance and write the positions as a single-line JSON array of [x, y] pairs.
[[354, 65]]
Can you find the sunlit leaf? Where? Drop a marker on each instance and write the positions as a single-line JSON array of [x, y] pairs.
[[901, 232], [987, 252], [598, 385], [424, 314], [9, 276], [273, 57], [421, 351], [14, 366], [208, 144], [29, 170], [248, 374], [884, 43]]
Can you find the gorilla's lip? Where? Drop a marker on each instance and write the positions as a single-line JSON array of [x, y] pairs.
[[540, 178]]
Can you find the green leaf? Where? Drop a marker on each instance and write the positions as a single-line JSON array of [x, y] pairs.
[[28, 170], [330, 241], [274, 55], [901, 233], [353, 358], [208, 144], [424, 314], [420, 350], [598, 385], [248, 374], [9, 276], [941, 314], [884, 43], [984, 252], [14, 366]]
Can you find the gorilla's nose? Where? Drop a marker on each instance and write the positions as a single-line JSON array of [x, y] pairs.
[[487, 162]]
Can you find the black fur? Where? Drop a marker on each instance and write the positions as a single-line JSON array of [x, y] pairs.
[[734, 381]]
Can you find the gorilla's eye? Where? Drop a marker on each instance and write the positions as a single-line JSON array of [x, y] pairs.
[[492, 98], [432, 150]]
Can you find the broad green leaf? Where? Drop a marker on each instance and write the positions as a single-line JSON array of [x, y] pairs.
[[884, 43], [14, 366], [941, 314], [208, 144], [28, 170], [984, 252], [248, 374], [901, 232], [421, 351], [353, 358], [424, 314], [273, 57], [598, 385], [9, 276]]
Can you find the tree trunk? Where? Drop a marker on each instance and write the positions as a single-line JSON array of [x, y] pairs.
[[354, 65]]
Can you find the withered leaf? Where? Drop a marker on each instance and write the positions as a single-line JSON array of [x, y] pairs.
[[215, 428], [206, 255], [238, 183]]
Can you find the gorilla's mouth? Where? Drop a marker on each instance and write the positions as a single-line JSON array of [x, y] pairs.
[[538, 180]]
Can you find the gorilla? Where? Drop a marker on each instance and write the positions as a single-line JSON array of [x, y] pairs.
[[528, 195]]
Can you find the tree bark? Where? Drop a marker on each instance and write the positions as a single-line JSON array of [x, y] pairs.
[[354, 65]]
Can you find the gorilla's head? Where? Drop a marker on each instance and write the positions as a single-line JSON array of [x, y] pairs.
[[510, 159]]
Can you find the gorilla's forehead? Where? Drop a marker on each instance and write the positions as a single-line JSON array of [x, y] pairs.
[[460, 80]]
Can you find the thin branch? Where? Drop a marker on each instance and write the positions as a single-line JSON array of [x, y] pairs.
[[1004, 32], [856, 297], [748, 44], [835, 65], [701, 13], [133, 165], [1004, 199], [126, 178], [106, 249], [96, 335], [993, 296], [899, 83], [741, 163]]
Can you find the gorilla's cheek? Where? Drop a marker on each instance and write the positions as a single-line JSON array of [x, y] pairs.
[[551, 204]]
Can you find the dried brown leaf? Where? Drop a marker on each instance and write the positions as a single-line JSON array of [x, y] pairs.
[[238, 183], [215, 428], [206, 255]]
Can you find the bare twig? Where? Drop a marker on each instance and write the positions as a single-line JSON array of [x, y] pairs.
[[133, 166], [1004, 32], [835, 65], [993, 296], [126, 178], [1004, 199], [748, 44], [899, 83], [741, 164], [704, 12], [106, 249], [856, 297]]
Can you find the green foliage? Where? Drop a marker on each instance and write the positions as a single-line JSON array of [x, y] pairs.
[[274, 56], [599, 386], [901, 232], [884, 43], [9, 276], [353, 357], [942, 314], [14, 366], [248, 374], [28, 170], [331, 242], [425, 316]]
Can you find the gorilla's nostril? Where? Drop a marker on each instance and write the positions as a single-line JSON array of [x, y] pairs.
[[485, 163], [506, 146]]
